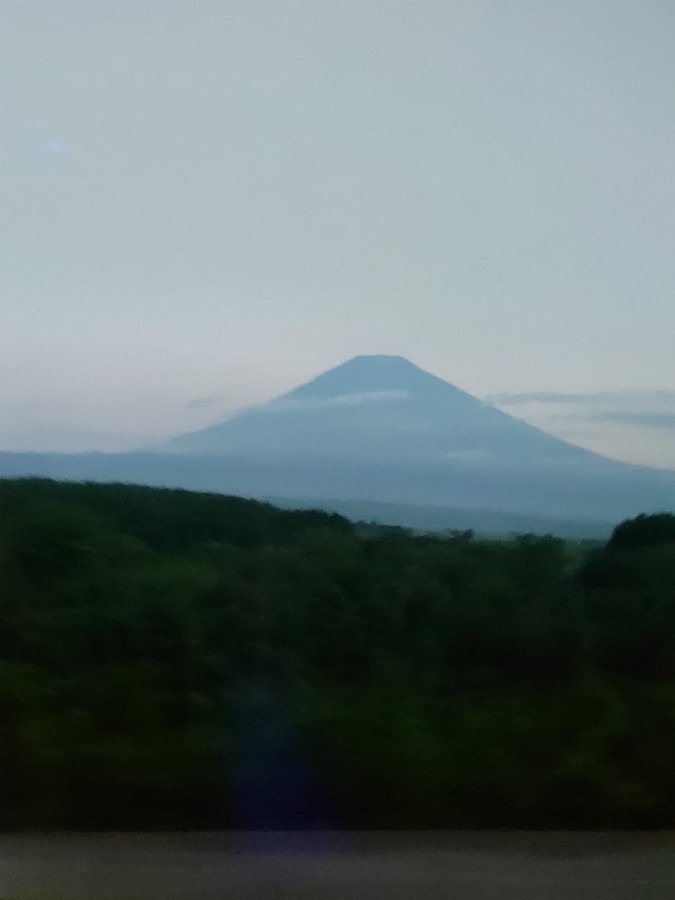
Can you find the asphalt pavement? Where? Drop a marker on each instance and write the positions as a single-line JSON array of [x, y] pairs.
[[332, 865]]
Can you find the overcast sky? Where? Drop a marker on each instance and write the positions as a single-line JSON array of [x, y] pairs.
[[207, 203]]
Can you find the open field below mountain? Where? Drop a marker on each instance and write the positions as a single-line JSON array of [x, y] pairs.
[[490, 523]]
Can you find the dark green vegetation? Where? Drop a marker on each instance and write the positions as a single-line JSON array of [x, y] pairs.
[[181, 660]]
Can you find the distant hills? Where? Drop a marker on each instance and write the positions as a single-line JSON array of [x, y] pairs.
[[380, 429]]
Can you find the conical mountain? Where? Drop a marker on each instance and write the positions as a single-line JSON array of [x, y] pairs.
[[379, 408]]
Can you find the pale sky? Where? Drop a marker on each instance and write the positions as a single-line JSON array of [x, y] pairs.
[[205, 204]]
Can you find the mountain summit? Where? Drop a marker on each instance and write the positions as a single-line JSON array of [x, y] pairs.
[[370, 373]]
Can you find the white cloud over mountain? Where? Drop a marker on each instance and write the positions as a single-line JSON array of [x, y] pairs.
[[358, 398]]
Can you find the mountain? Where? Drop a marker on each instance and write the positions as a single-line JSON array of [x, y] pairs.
[[376, 409], [380, 429]]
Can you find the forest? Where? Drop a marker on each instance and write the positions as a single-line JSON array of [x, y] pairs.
[[176, 660]]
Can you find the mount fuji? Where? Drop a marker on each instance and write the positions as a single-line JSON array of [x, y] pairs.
[[381, 409], [380, 429]]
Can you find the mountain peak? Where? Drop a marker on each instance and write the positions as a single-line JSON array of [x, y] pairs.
[[370, 373], [379, 359]]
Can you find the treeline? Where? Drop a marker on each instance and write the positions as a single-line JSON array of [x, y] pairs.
[[171, 659]]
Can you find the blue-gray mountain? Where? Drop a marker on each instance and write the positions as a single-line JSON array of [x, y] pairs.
[[379, 428], [376, 409]]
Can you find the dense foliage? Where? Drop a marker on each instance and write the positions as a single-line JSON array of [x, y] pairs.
[[172, 659]]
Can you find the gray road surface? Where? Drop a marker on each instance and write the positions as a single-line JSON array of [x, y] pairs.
[[328, 866]]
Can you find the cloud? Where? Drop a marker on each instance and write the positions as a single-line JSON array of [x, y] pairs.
[[598, 398], [339, 400], [641, 419], [205, 402], [469, 454], [639, 409]]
